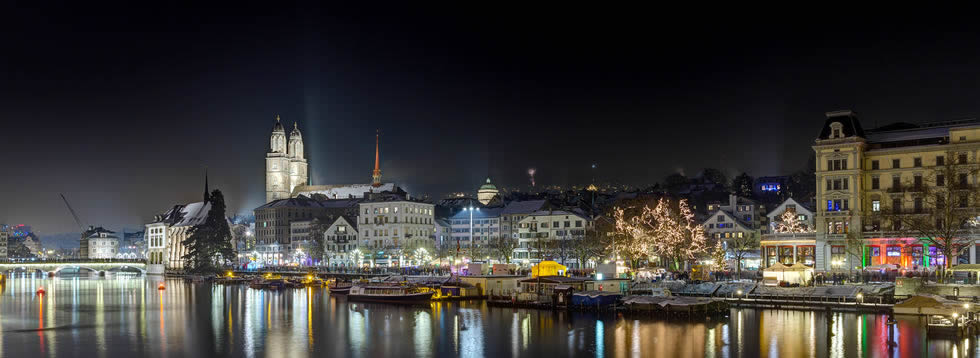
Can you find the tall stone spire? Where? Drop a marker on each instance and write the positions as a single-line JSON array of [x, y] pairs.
[[207, 196], [376, 175]]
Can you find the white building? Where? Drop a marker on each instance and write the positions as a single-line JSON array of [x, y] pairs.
[[516, 211], [390, 230], [285, 166], [340, 243], [542, 228], [100, 244], [165, 250]]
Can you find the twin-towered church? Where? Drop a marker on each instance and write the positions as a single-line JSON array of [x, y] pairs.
[[287, 171]]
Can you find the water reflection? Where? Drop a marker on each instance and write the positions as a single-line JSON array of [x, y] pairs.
[[130, 316]]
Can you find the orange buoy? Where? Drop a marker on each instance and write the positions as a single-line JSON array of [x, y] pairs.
[[161, 286], [40, 290]]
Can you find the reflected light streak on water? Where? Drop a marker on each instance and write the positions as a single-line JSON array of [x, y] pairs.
[[108, 317]]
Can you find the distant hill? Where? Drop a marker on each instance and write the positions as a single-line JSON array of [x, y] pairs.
[[65, 240]]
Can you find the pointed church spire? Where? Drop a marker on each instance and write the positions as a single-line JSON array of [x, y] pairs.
[[376, 175], [206, 195]]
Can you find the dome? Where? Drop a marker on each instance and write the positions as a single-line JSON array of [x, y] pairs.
[[488, 186], [295, 133], [278, 126]]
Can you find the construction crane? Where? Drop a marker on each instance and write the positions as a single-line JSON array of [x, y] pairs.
[[73, 214]]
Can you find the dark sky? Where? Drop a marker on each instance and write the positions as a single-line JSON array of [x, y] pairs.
[[121, 108]]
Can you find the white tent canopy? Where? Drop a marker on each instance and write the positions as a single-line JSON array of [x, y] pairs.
[[798, 273]]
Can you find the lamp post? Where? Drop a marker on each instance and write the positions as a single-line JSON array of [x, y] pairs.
[[471, 209]]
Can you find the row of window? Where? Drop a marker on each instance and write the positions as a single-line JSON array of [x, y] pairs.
[[408, 220], [961, 158], [476, 229], [476, 222], [408, 210], [963, 179], [544, 225]]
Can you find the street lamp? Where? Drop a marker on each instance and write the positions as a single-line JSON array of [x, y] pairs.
[[471, 209]]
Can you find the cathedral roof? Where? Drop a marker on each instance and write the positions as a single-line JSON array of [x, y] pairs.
[[278, 127], [295, 133]]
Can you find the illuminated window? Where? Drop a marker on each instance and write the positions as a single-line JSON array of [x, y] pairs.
[[876, 205]]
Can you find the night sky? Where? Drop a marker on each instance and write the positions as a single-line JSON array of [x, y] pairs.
[[121, 109]]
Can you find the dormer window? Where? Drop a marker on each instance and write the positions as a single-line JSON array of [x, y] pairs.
[[836, 130]]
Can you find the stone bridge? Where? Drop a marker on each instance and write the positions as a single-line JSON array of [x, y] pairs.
[[94, 266]]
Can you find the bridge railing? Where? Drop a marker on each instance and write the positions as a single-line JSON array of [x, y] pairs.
[[68, 261]]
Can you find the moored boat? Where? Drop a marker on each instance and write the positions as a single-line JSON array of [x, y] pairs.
[[339, 288], [390, 294]]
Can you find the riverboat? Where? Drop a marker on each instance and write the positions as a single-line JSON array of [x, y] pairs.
[[340, 288], [390, 294]]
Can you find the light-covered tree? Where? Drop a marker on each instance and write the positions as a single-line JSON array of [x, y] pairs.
[[718, 256], [789, 222], [676, 235], [631, 236]]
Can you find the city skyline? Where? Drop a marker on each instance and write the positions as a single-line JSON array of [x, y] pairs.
[[131, 119]]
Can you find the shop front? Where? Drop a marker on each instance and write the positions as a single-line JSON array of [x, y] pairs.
[[789, 249], [908, 253]]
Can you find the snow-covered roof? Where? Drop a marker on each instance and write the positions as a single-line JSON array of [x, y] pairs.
[[342, 191], [345, 220], [523, 207], [479, 214], [193, 214]]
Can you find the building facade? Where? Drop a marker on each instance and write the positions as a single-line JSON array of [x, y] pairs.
[[340, 243], [789, 243], [867, 179], [547, 234], [285, 163], [274, 223], [516, 211], [475, 230], [165, 235], [96, 243], [299, 239], [391, 228], [4, 237]]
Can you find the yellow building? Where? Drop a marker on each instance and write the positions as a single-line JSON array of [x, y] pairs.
[[863, 174]]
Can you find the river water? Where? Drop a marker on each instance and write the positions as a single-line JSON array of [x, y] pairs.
[[125, 317]]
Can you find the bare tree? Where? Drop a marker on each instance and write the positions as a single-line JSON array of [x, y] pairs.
[[588, 247], [503, 247], [740, 247], [944, 209], [854, 247]]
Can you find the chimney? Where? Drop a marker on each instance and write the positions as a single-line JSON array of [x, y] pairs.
[[732, 201]]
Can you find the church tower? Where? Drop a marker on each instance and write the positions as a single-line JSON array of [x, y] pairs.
[[298, 174], [376, 175], [277, 181]]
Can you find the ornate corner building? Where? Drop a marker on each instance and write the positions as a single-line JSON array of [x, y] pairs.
[[866, 177]]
